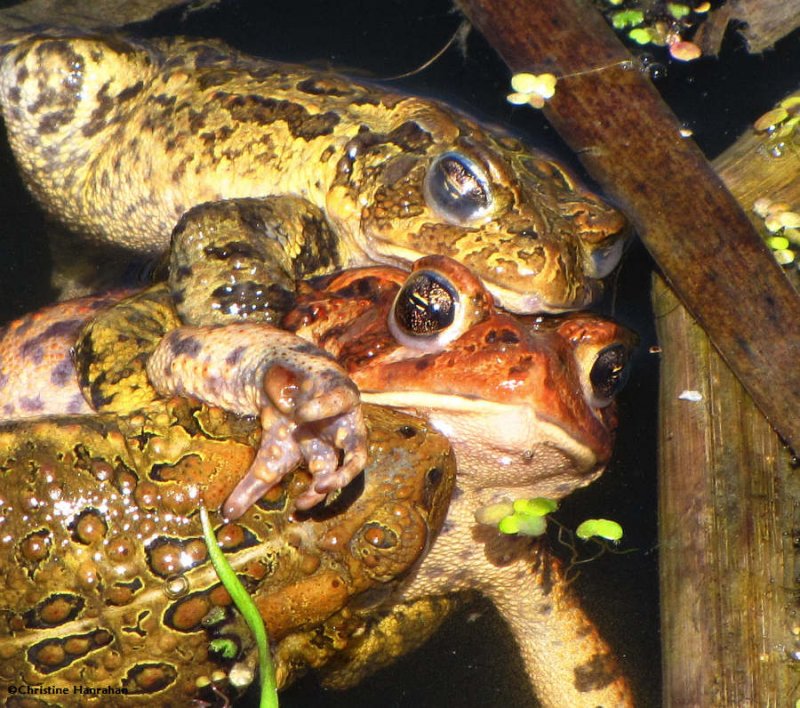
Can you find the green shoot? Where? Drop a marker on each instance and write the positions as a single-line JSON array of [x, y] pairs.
[[245, 605]]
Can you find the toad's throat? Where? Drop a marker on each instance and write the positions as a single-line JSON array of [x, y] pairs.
[[504, 433]]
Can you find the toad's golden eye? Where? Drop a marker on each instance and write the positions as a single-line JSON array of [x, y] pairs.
[[609, 373], [426, 305], [457, 188]]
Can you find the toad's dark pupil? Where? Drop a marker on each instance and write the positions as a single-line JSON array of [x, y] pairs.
[[426, 304], [461, 184], [610, 371]]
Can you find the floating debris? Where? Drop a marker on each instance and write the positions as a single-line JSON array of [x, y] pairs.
[[783, 227], [690, 395], [669, 25], [781, 126], [685, 51], [770, 120]]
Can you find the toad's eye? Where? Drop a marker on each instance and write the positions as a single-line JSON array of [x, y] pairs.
[[609, 373], [425, 305], [457, 188], [439, 302]]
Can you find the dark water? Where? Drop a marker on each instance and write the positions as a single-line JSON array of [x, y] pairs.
[[472, 661]]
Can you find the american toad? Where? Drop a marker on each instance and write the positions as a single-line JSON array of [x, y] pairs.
[[263, 174], [527, 405], [106, 580], [131, 142]]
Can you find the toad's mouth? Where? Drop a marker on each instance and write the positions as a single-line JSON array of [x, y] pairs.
[[509, 444], [522, 303], [520, 300]]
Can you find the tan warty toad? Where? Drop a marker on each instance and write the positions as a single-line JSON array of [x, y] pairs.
[[125, 139], [108, 596]]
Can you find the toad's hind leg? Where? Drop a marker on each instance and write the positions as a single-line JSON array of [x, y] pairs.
[[390, 634], [567, 661], [111, 353], [353, 645], [565, 656]]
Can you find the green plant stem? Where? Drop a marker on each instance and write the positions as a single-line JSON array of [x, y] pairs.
[[245, 605]]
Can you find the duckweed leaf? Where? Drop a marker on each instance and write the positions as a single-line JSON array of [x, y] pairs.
[[523, 525], [224, 647], [601, 528], [538, 506]]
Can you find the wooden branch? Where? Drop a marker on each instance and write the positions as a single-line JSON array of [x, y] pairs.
[[765, 22], [629, 141]]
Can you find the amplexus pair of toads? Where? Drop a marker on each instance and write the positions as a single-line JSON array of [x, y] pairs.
[[261, 174], [255, 176]]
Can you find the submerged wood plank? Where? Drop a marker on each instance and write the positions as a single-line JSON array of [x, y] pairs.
[[729, 506], [629, 141], [729, 501]]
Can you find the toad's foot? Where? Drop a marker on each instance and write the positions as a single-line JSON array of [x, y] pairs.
[[309, 409]]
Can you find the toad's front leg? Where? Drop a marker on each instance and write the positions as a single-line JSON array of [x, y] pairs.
[[241, 259], [309, 408], [236, 261]]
